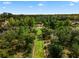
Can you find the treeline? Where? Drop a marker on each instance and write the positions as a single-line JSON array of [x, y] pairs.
[[17, 34]]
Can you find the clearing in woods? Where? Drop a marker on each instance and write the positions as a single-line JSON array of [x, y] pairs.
[[38, 51]]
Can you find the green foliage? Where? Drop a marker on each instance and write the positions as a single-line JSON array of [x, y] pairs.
[[55, 50], [19, 34]]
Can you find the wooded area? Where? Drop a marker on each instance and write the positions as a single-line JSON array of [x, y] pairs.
[[39, 36]]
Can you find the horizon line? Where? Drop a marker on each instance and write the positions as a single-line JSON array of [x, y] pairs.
[[38, 13]]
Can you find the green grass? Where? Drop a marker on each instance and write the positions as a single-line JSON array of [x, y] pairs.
[[38, 51], [38, 45], [39, 32]]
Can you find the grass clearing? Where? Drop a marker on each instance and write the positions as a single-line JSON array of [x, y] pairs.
[[39, 31], [38, 49]]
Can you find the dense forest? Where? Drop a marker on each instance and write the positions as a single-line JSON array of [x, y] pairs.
[[39, 36]]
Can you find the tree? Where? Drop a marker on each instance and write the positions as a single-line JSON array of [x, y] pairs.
[[55, 50], [11, 22]]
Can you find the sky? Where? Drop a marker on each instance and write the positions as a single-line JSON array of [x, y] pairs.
[[40, 7]]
